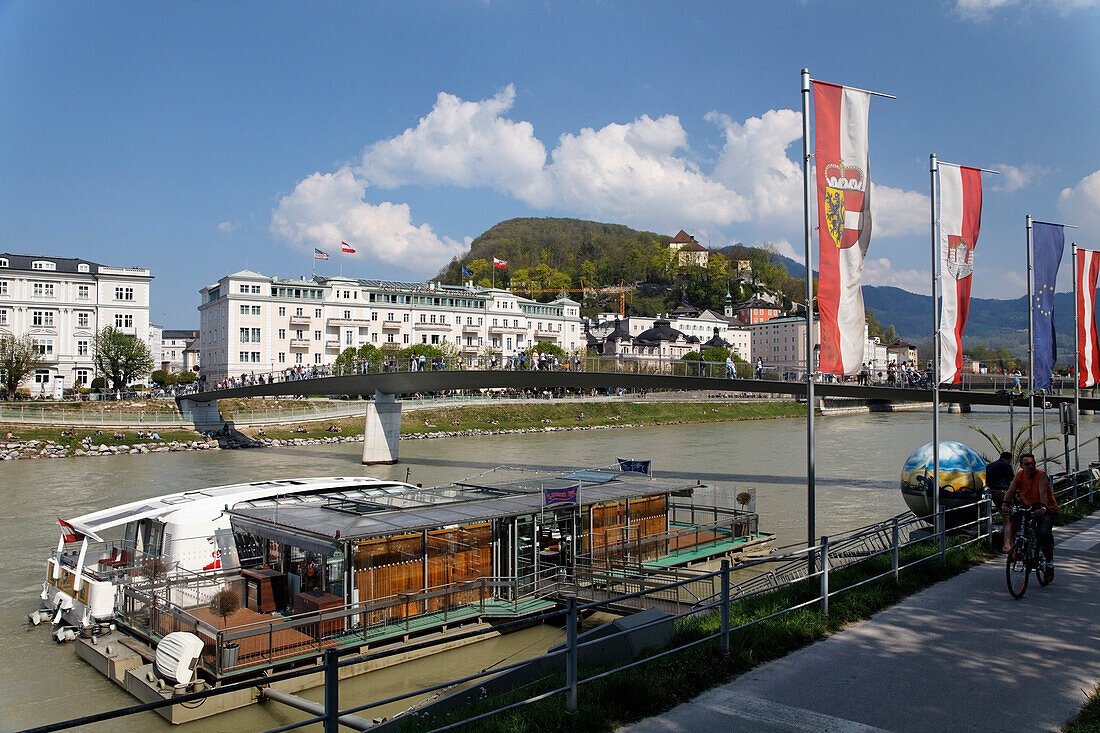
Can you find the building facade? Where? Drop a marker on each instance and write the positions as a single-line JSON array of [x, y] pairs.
[[254, 323], [689, 251], [780, 344], [174, 343], [61, 302], [699, 324]]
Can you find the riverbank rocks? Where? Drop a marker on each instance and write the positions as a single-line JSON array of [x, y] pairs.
[[50, 449]]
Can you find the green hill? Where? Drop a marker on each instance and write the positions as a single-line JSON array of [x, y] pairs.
[[568, 254]]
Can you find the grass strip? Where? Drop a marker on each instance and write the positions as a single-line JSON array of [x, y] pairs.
[[548, 414], [652, 688], [25, 432], [1088, 720]]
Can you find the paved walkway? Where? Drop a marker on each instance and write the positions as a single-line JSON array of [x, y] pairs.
[[960, 656]]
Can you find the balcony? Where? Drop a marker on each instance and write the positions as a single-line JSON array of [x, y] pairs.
[[544, 334], [471, 327], [332, 344], [299, 320], [360, 322], [506, 329], [421, 326], [299, 343], [391, 325]]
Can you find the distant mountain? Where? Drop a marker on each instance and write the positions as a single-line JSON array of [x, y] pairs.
[[991, 322]]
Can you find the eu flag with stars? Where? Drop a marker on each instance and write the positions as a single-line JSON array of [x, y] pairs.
[[1047, 241], [466, 272]]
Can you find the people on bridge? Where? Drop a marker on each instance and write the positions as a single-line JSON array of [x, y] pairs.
[[1033, 488]]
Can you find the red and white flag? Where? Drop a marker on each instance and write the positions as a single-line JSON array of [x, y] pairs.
[[960, 220], [500, 264], [345, 248], [1088, 359], [844, 222]]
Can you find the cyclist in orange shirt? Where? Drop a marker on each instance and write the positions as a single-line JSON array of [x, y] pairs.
[[1032, 487]]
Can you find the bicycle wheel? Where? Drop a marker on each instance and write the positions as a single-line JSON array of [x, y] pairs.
[[1040, 573], [1016, 572]]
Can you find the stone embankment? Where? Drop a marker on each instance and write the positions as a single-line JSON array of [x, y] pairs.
[[51, 449], [275, 442]]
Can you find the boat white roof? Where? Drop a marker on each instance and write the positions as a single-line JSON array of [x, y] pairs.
[[213, 500]]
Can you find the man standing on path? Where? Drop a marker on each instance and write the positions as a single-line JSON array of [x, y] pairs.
[[729, 366], [1032, 486]]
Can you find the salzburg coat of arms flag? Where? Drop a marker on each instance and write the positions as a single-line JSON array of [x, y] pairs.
[[844, 222], [960, 220]]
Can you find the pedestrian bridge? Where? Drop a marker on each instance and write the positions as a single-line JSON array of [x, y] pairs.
[[386, 383]]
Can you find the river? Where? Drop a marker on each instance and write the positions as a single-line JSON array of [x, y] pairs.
[[859, 458]]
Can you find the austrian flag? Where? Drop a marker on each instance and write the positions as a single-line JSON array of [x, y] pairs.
[[960, 220], [844, 222], [345, 248], [500, 264], [1088, 358]]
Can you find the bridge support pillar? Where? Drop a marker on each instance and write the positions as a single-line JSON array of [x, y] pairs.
[[382, 430], [205, 415], [955, 408]]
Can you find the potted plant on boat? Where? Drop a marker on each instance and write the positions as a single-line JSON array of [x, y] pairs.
[[224, 603]]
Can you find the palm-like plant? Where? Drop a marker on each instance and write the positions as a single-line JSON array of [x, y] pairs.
[[1021, 443]]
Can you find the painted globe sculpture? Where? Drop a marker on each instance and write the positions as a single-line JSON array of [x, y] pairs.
[[962, 480]]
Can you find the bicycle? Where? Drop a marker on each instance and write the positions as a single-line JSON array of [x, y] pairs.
[[1024, 557]]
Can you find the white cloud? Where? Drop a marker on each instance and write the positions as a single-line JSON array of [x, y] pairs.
[[464, 144], [326, 208], [753, 161], [896, 213], [984, 9], [880, 271], [1081, 204], [1014, 178], [228, 226], [640, 173], [785, 248], [630, 172]]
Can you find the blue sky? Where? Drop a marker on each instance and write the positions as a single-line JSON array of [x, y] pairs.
[[199, 138]]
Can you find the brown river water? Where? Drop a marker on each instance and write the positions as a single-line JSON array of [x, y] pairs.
[[859, 459]]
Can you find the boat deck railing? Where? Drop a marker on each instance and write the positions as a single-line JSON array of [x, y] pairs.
[[277, 639]]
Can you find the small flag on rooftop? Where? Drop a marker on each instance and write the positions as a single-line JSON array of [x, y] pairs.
[[319, 255], [345, 248]]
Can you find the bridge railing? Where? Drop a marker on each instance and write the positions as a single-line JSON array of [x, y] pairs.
[[623, 364]]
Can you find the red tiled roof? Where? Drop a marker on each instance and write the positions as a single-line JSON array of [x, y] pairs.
[[682, 237]]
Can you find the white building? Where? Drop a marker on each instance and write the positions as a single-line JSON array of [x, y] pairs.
[[253, 323], [173, 345], [780, 344], [690, 322], [61, 302]]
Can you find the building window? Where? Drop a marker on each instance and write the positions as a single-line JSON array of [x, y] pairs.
[[347, 338], [298, 358], [41, 376], [347, 315], [316, 312], [282, 311], [3, 317], [299, 312], [405, 338], [255, 310], [82, 347], [42, 318], [81, 376], [299, 333], [44, 347], [255, 357], [124, 293], [316, 335], [244, 310], [83, 292], [124, 320], [282, 357], [243, 356], [373, 315], [43, 265], [374, 338], [316, 358], [42, 290], [244, 335], [389, 338], [3, 261], [282, 333], [255, 289]]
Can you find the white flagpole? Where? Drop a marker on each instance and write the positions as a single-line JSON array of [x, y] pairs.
[[1076, 376], [1030, 345], [811, 488], [933, 169]]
